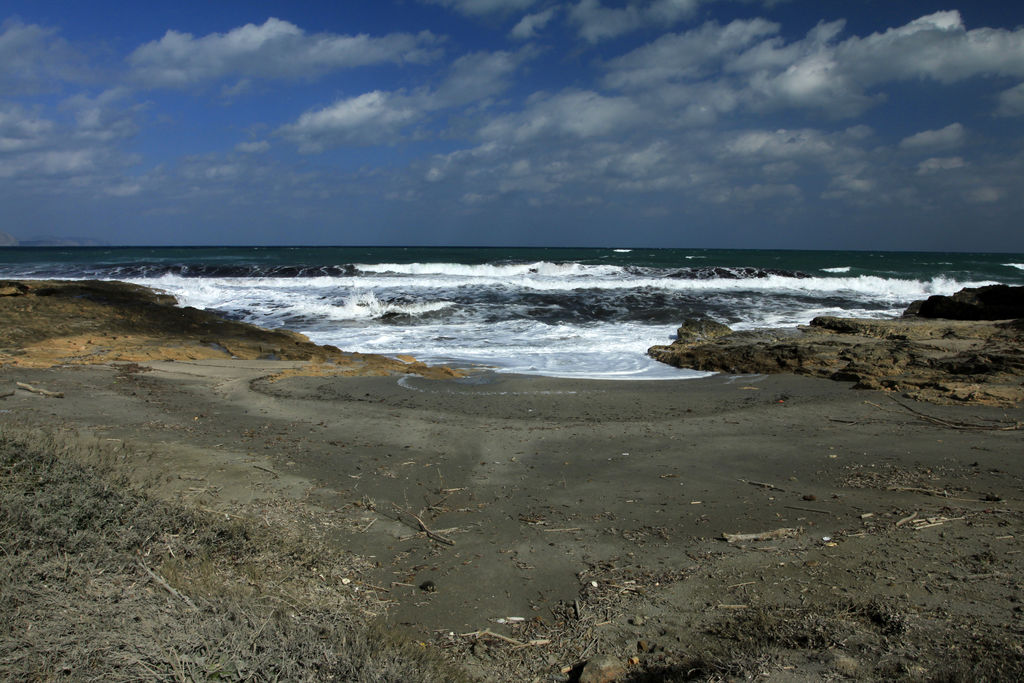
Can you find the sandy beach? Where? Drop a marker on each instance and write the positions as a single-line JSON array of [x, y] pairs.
[[587, 517]]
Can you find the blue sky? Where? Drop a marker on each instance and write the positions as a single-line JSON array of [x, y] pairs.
[[678, 123]]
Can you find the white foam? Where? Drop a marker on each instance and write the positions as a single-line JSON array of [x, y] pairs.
[[1018, 266], [837, 269], [488, 270], [356, 312]]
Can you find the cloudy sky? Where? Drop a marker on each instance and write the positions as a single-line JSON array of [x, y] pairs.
[[860, 124]]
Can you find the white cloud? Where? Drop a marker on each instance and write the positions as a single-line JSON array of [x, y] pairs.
[[938, 164], [985, 195], [106, 117], [481, 7], [371, 118], [21, 130], [275, 49], [379, 117], [34, 59], [578, 114], [256, 147], [937, 46], [760, 145], [951, 136], [57, 162], [531, 24], [475, 77], [685, 56], [748, 63], [597, 22], [1011, 102]]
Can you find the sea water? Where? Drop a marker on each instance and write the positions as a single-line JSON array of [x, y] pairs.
[[586, 313]]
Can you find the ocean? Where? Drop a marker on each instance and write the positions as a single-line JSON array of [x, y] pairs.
[[583, 313]]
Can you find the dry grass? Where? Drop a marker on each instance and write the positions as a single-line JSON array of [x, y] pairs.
[[100, 582]]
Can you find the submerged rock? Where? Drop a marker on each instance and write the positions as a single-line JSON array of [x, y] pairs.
[[973, 360]]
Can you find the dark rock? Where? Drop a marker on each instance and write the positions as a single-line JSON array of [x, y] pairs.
[[603, 669], [939, 360], [993, 302], [700, 329]]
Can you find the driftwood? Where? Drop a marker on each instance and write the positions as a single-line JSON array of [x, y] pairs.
[[764, 485], [421, 526], [784, 532], [159, 579], [487, 633], [41, 392], [954, 424]]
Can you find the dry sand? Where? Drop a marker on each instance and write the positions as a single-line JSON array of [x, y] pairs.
[[569, 519]]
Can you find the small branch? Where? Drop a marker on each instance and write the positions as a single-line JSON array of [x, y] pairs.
[[423, 527], [266, 469], [797, 507], [784, 532], [167, 586], [763, 485], [41, 392], [951, 424], [487, 633]]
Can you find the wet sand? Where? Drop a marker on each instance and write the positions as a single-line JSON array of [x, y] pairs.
[[595, 510]]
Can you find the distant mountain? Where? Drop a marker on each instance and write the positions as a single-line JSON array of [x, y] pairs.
[[8, 240], [61, 242]]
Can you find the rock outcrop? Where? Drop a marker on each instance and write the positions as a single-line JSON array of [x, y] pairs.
[[49, 322], [974, 360]]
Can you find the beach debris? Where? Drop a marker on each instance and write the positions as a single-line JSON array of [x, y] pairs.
[[906, 520], [509, 620], [927, 522], [166, 586], [997, 426], [421, 526], [41, 392], [806, 509], [266, 469], [487, 633], [762, 484], [774, 534], [428, 587]]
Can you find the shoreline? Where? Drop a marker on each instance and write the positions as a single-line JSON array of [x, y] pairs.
[[522, 526], [546, 486]]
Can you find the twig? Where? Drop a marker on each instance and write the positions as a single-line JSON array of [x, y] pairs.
[[763, 484], [950, 423], [423, 527], [166, 585], [784, 532], [797, 507], [907, 519], [266, 469], [487, 633], [41, 392]]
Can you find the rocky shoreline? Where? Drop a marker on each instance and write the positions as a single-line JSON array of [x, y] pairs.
[[966, 348], [52, 322]]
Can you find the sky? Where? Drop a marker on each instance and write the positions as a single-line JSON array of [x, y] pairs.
[[820, 124]]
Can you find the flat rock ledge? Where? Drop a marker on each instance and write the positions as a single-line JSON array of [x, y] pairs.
[[64, 322], [939, 360]]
